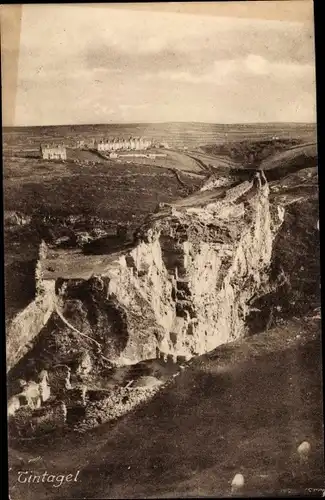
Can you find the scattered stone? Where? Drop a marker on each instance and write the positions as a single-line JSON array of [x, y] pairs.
[[44, 388], [97, 394], [49, 417], [237, 483], [13, 406], [31, 391], [21, 420], [85, 365], [59, 379], [304, 450]]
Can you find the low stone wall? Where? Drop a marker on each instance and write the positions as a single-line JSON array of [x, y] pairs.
[[78, 407], [30, 423], [115, 405]]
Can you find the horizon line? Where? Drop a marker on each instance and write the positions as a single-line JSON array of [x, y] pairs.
[[164, 123]]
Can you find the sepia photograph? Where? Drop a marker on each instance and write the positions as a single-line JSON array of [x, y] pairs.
[[162, 250]]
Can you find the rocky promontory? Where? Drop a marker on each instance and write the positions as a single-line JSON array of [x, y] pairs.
[[112, 329]]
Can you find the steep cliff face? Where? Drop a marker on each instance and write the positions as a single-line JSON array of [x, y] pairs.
[[27, 324], [186, 285], [182, 290]]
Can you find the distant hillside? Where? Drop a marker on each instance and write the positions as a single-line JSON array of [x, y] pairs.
[[292, 156], [192, 135], [250, 153]]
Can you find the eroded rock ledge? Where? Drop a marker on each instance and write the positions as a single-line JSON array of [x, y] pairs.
[[183, 289]]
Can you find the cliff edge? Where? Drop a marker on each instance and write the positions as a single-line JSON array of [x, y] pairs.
[[183, 288]]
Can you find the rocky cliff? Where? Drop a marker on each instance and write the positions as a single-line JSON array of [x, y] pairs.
[[183, 289], [26, 326], [185, 286], [28, 323]]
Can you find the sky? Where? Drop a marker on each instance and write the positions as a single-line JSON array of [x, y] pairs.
[[79, 65]]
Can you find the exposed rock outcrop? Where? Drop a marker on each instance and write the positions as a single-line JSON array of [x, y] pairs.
[[184, 288], [12, 218], [25, 327], [27, 324]]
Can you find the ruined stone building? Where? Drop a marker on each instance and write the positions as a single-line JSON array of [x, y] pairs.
[[53, 152], [116, 144]]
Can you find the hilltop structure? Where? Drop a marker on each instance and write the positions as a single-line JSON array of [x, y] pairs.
[[53, 152], [116, 144]]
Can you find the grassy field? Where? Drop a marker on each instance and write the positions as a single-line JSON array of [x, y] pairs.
[[216, 161], [116, 192], [100, 196], [222, 416], [192, 135], [172, 159]]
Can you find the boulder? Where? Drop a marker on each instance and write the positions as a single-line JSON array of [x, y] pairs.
[[59, 379]]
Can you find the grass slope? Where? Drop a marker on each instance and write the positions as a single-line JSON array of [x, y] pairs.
[[253, 153], [221, 416]]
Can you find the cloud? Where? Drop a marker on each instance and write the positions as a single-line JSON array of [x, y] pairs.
[[257, 64], [224, 71], [85, 64], [132, 106], [83, 36]]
